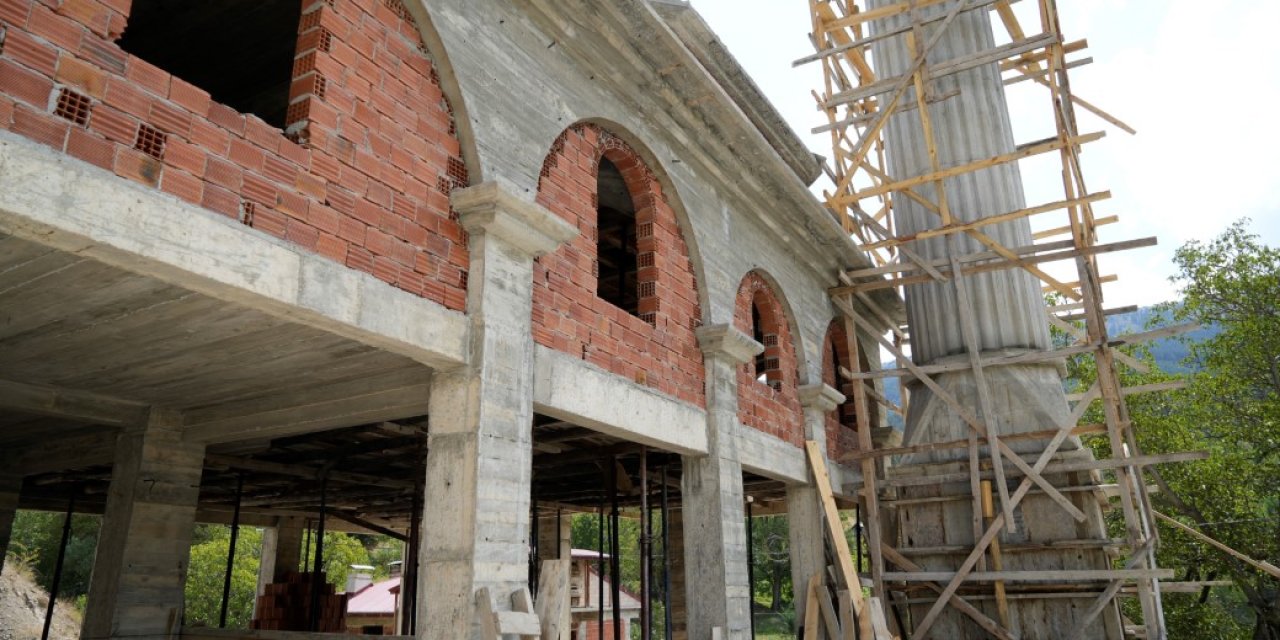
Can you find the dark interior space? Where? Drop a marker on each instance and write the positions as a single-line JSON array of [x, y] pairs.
[[616, 240], [240, 51]]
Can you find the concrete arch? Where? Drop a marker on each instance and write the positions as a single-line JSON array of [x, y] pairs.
[[773, 407], [793, 323], [653, 343], [683, 220], [451, 89]]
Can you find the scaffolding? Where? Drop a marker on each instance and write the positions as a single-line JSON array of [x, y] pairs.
[[858, 104]]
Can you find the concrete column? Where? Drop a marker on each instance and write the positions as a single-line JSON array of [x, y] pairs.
[[281, 551], [141, 563], [715, 540], [804, 513], [1008, 306], [1008, 314], [554, 537], [475, 531], [10, 490]]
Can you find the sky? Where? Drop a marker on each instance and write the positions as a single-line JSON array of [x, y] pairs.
[[1192, 77]]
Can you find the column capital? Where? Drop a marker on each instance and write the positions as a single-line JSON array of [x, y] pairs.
[[820, 396], [496, 209], [727, 341]]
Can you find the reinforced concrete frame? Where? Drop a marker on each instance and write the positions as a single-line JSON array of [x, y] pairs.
[[859, 101]]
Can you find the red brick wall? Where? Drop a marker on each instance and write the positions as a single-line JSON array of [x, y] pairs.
[[594, 632], [773, 408], [363, 177], [842, 423], [659, 348]]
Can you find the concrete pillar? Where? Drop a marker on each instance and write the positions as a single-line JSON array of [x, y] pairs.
[[10, 490], [141, 562], [281, 551], [475, 532], [1008, 313], [715, 540], [804, 513], [554, 537]]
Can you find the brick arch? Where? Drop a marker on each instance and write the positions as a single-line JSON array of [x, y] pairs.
[[772, 406], [842, 423], [659, 348], [362, 173]]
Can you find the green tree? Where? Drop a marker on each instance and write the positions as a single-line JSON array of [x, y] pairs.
[[1229, 407], [35, 538], [771, 563], [207, 568]]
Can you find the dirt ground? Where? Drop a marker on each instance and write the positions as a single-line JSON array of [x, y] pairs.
[[22, 606]]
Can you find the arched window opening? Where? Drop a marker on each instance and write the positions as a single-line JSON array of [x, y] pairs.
[[617, 264], [846, 412], [240, 51], [764, 330]]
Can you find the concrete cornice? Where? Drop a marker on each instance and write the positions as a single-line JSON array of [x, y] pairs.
[[496, 209], [726, 340], [820, 396]]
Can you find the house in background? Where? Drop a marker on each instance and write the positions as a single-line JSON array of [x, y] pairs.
[[372, 606], [584, 599]]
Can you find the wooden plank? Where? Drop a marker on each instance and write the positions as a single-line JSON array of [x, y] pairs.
[[1060, 467], [1033, 576], [848, 625], [553, 598], [835, 532], [1260, 565], [942, 69], [811, 612], [958, 227], [958, 602], [968, 167], [521, 620], [963, 412], [1043, 434], [829, 620], [1011, 259]]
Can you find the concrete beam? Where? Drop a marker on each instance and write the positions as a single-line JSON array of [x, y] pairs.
[[771, 456], [393, 396], [61, 202], [59, 454], [71, 404], [568, 388]]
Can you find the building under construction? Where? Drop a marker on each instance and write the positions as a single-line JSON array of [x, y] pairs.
[[454, 271]]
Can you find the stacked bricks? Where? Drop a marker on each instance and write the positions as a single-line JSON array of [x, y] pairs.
[[771, 406], [658, 348], [286, 606], [842, 423], [362, 176]]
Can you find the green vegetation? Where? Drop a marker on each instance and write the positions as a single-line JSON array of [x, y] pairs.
[[35, 539], [1230, 407]]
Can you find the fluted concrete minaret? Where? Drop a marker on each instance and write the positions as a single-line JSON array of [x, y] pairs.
[[1009, 314]]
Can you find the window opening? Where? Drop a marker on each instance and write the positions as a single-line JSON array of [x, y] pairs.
[[757, 334], [240, 51], [616, 252]]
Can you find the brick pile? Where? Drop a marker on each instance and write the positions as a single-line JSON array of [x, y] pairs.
[[658, 348], [772, 406], [841, 424], [286, 606], [363, 175]]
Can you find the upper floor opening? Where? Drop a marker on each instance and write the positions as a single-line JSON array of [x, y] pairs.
[[617, 265], [240, 51]]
